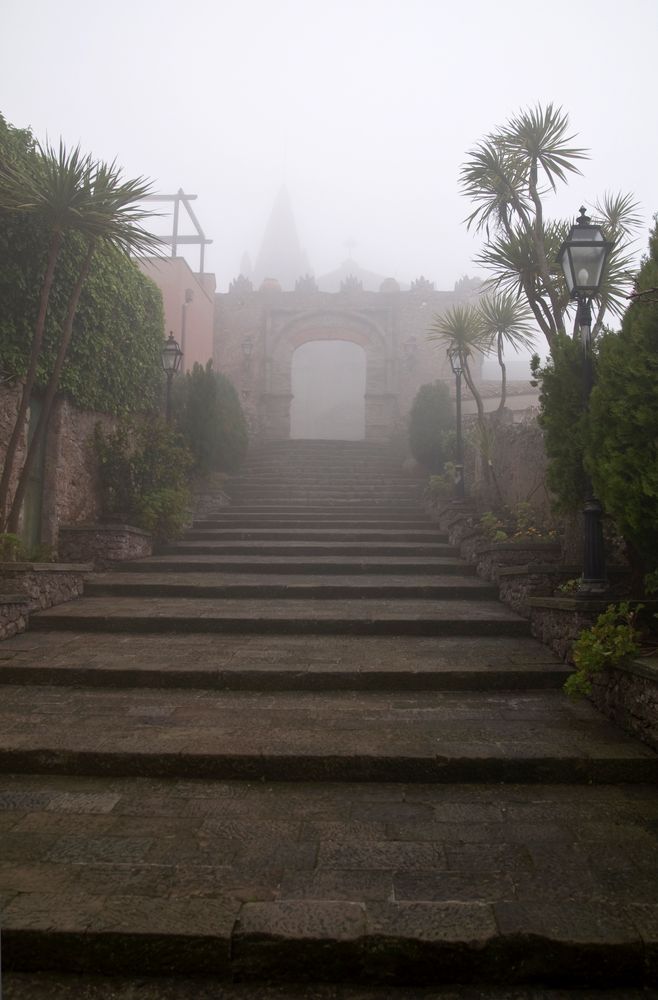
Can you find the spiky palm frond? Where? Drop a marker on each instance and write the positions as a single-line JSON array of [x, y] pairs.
[[54, 184], [460, 330], [618, 214], [540, 135], [507, 320], [115, 216], [494, 180]]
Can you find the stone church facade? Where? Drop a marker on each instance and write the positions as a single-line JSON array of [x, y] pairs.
[[257, 332], [275, 308]]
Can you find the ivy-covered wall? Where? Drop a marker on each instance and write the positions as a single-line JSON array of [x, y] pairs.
[[114, 358]]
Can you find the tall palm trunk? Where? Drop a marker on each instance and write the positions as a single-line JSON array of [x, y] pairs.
[[51, 390], [30, 378], [503, 374]]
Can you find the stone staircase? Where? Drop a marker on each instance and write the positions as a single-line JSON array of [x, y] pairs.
[[306, 743]]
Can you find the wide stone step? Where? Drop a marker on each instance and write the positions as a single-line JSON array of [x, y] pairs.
[[433, 736], [345, 521], [335, 617], [46, 985], [281, 663], [296, 587], [364, 508], [316, 534], [333, 565], [292, 488], [423, 885], [301, 548]]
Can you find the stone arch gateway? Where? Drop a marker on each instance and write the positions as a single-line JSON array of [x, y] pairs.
[[288, 332], [258, 331], [328, 383]]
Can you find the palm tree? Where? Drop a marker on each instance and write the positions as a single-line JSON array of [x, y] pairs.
[[504, 177], [111, 218], [506, 322], [461, 331], [55, 186]]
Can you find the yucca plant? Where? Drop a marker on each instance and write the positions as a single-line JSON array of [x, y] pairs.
[[506, 322], [461, 332], [104, 210], [506, 177], [54, 185]]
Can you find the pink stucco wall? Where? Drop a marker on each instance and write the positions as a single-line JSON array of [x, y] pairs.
[[177, 282]]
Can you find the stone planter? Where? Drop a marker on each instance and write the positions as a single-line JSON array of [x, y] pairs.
[[42, 585], [558, 621], [628, 694], [517, 584], [495, 555], [103, 544], [13, 615]]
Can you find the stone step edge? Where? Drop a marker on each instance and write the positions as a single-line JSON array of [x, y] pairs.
[[294, 566], [309, 767], [286, 626], [430, 944], [286, 678], [296, 591]]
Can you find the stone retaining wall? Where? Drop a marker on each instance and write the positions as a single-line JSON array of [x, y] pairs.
[[13, 615], [70, 479], [628, 694], [42, 585], [103, 545]]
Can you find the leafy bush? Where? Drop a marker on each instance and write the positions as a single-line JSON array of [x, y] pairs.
[[520, 523], [613, 638], [210, 418], [143, 472], [622, 442], [562, 419], [431, 423], [114, 359]]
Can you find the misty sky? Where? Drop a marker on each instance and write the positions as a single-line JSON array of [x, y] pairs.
[[364, 109]]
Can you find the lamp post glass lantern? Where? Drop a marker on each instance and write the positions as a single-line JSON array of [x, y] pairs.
[[171, 358], [457, 365], [583, 257]]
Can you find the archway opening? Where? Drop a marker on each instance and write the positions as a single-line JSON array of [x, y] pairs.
[[328, 386]]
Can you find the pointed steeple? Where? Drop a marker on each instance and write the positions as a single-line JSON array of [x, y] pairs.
[[281, 255]]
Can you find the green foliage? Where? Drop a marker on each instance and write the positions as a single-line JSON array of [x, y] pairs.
[[562, 419], [11, 548], [144, 475], [431, 422], [506, 177], [613, 638], [622, 439], [520, 523], [209, 416], [114, 358], [442, 487]]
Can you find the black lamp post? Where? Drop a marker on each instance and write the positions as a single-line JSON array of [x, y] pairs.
[[172, 357], [457, 368], [583, 257]]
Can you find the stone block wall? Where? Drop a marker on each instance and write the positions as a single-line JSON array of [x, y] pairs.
[[628, 695], [13, 615], [43, 585], [103, 544], [70, 480]]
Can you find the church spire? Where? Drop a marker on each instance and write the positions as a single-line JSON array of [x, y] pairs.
[[281, 255]]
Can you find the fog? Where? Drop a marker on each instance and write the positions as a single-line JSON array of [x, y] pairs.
[[364, 109]]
